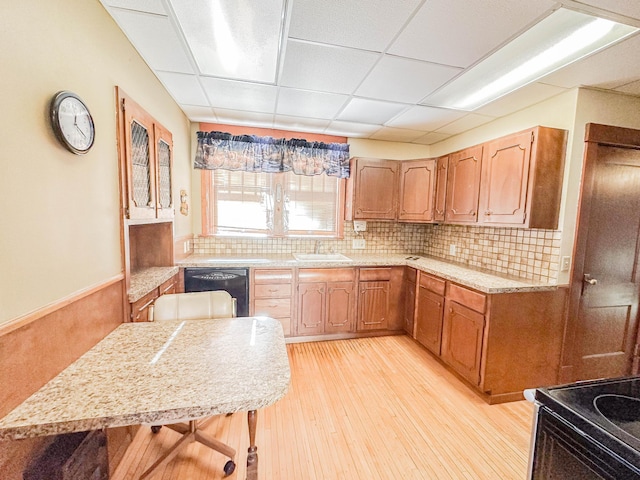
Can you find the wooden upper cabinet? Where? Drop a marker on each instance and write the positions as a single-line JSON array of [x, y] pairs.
[[375, 189], [463, 185], [522, 179], [146, 152], [417, 190], [440, 197]]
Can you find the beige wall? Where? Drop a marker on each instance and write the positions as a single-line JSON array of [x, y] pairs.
[[60, 215]]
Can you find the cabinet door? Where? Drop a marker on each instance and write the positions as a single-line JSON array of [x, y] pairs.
[[505, 176], [429, 313], [409, 288], [442, 166], [374, 305], [417, 190], [139, 151], [164, 169], [340, 307], [375, 192], [311, 308], [462, 340], [463, 185]]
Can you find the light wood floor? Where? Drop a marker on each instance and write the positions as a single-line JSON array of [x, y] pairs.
[[376, 408]]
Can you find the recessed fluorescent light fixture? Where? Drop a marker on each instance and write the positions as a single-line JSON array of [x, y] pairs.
[[231, 39], [558, 40]]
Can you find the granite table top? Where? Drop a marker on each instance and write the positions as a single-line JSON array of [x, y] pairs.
[[481, 280], [158, 373]]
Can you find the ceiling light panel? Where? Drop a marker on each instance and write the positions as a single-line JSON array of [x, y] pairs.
[[460, 32], [237, 39], [404, 80], [311, 66], [561, 38], [364, 24]]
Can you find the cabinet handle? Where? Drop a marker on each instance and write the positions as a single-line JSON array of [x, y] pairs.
[[473, 214], [272, 290], [488, 212], [450, 310]]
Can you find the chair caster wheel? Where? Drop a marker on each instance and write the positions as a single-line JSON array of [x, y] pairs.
[[229, 467], [155, 428]]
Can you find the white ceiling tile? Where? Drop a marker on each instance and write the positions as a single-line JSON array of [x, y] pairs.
[[365, 110], [404, 80], [390, 134], [185, 89], [460, 32], [149, 6], [351, 129], [469, 121], [364, 24], [303, 103], [325, 68], [199, 114], [238, 117], [240, 95], [425, 118], [431, 138], [155, 39], [632, 88], [521, 98], [628, 8], [609, 68], [298, 124]]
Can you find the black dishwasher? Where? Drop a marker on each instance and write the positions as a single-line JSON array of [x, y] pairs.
[[233, 280]]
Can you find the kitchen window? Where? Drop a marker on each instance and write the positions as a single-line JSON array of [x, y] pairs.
[[240, 203]]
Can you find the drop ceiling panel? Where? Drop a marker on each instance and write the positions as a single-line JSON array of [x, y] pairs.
[[156, 41], [629, 8], [390, 134], [241, 117], [300, 124], [303, 103], [185, 89], [460, 32], [251, 97], [425, 118], [632, 88], [332, 21], [469, 121], [351, 129], [310, 66], [149, 6], [370, 111], [404, 80], [199, 114], [526, 96], [431, 138]]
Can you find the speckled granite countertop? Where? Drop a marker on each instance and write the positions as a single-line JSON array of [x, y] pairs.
[[143, 281], [160, 372], [483, 281]]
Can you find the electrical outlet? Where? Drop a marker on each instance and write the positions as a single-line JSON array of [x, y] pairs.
[[452, 250], [565, 263], [186, 246], [358, 243]]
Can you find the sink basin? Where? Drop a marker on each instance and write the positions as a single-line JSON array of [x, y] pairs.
[[321, 257], [622, 411]]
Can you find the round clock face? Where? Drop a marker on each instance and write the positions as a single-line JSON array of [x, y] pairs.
[[72, 122]]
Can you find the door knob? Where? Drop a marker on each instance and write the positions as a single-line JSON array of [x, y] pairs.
[[589, 280]]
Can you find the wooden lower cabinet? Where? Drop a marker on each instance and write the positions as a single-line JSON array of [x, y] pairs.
[[326, 301], [140, 308], [429, 314], [409, 292], [462, 340], [272, 295], [380, 299]]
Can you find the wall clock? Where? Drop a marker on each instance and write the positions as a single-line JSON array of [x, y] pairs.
[[72, 122]]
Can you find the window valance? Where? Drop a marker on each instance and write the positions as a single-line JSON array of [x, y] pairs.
[[251, 153]]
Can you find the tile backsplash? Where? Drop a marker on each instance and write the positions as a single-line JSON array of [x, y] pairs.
[[524, 253]]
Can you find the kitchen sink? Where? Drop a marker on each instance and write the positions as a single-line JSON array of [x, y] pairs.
[[622, 411], [321, 257]]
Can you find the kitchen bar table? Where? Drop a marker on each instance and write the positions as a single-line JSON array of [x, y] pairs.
[[161, 373]]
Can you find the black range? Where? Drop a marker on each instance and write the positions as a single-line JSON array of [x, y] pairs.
[[588, 430]]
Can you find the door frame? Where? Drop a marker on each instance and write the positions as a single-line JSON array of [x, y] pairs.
[[595, 135]]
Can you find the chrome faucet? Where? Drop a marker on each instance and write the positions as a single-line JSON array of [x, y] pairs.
[[318, 246]]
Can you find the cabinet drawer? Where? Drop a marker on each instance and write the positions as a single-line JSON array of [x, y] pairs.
[[434, 284], [469, 298], [273, 291], [273, 307], [374, 274], [284, 275], [168, 286], [326, 274]]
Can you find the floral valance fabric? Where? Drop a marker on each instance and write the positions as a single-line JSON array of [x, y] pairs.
[[251, 153]]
